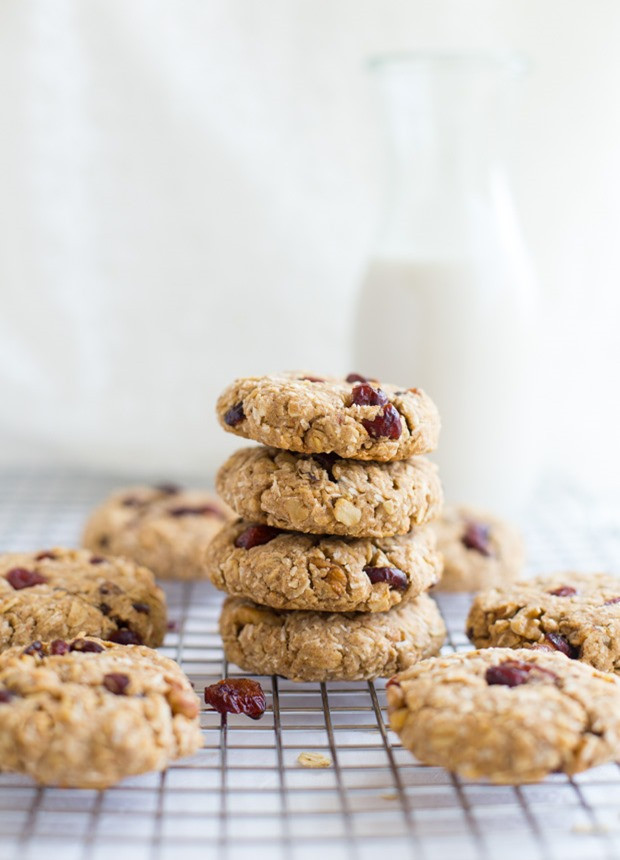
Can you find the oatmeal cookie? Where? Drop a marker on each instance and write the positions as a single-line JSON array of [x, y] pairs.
[[323, 494], [508, 716], [87, 713], [479, 550], [576, 613], [288, 570], [59, 593], [357, 419], [164, 528], [315, 646]]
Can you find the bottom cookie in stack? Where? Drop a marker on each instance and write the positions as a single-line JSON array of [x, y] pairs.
[[319, 646]]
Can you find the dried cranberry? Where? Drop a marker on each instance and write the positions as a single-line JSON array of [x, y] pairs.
[[513, 673], [560, 643], [235, 415], [34, 648], [366, 395], [168, 489], [477, 536], [612, 600], [387, 425], [394, 577], [86, 645], [116, 683], [144, 608], [237, 696], [171, 625], [132, 502], [97, 559], [125, 636], [393, 682], [326, 461], [312, 379], [45, 554], [110, 588], [20, 578], [195, 511], [563, 591], [255, 536], [5, 696], [59, 647], [356, 377]]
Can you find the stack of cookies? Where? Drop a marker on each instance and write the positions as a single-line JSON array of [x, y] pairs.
[[328, 566]]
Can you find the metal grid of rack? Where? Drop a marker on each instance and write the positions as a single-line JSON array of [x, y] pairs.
[[245, 794]]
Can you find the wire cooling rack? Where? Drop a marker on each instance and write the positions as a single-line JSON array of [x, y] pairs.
[[244, 795]]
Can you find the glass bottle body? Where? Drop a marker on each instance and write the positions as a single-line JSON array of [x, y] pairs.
[[449, 300]]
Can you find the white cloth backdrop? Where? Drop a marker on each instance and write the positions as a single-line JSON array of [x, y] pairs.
[[190, 190]]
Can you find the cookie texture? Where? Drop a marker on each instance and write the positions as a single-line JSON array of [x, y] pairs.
[[324, 494], [314, 646], [329, 574], [87, 713], [60, 593], [508, 716], [164, 528], [576, 613], [364, 420], [479, 550]]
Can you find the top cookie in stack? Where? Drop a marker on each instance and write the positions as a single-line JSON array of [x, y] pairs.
[[352, 418], [334, 515]]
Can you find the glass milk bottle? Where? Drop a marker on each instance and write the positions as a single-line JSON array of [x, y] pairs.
[[448, 302]]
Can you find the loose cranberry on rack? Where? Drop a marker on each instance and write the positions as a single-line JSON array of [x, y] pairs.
[[237, 696]]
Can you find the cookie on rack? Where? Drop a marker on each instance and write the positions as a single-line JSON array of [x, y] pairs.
[[290, 570], [355, 418], [164, 528], [575, 613], [318, 646], [85, 713], [479, 550], [507, 716], [324, 494], [60, 593]]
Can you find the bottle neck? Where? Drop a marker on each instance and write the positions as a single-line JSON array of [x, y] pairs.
[[446, 176]]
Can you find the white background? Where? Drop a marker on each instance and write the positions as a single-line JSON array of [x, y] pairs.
[[191, 189]]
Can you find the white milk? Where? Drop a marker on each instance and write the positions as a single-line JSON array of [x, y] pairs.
[[466, 333]]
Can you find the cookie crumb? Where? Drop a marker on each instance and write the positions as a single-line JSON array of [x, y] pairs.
[[389, 795], [312, 759], [590, 829]]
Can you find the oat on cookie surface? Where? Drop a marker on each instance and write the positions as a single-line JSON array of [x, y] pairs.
[[85, 713], [362, 419], [479, 550], [576, 613], [164, 528], [509, 716], [315, 646], [324, 494], [290, 570], [59, 593]]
